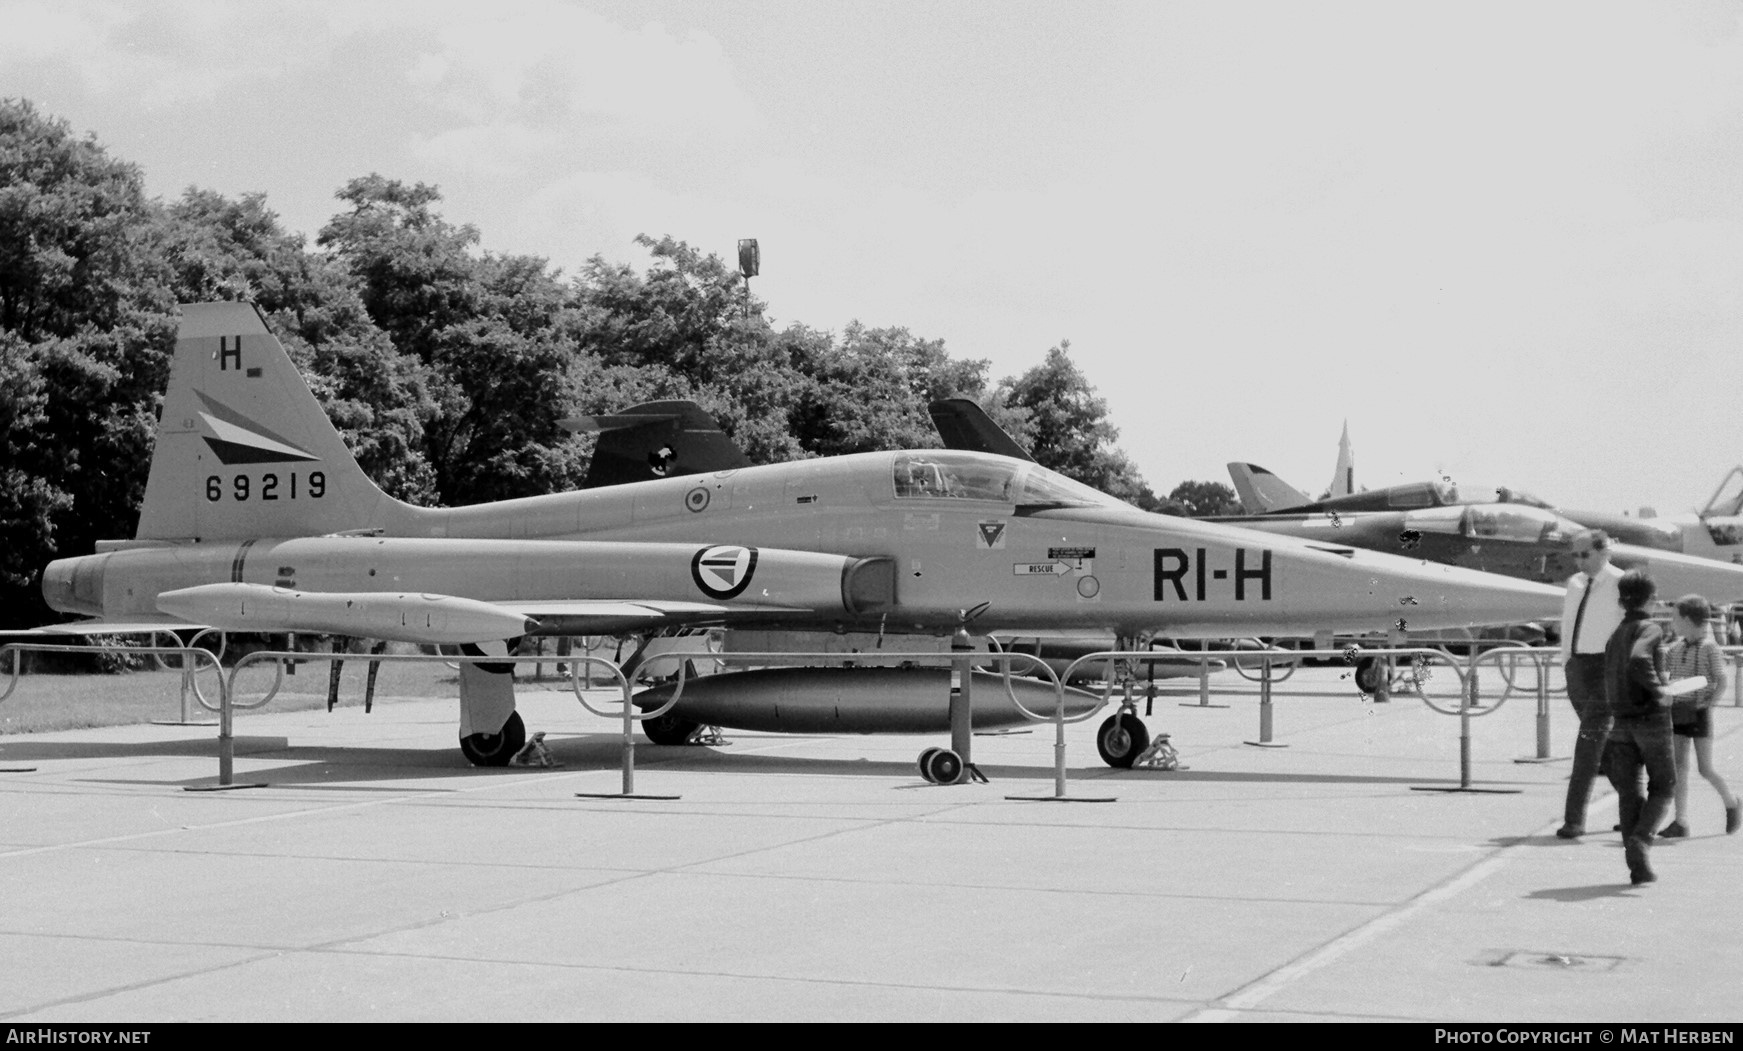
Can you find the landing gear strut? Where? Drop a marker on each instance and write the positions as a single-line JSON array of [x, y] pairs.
[[1122, 737]]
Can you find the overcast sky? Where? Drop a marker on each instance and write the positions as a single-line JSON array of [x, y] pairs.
[[1503, 240]]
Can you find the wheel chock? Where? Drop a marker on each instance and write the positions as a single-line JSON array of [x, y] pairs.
[[534, 753], [1159, 756], [709, 736]]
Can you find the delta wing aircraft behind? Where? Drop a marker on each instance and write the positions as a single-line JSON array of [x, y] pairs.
[[1715, 531], [257, 518], [1517, 535]]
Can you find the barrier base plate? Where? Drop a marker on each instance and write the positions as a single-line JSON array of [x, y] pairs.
[[1467, 788]]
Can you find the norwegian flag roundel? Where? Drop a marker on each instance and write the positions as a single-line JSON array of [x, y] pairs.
[[723, 572]]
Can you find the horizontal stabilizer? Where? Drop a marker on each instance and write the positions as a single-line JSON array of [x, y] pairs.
[[964, 425], [657, 439]]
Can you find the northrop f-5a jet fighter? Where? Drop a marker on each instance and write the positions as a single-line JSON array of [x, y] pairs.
[[256, 518]]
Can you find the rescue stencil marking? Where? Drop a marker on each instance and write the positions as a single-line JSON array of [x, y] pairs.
[[723, 572]]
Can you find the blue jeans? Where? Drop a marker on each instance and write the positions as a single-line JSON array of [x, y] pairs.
[[1638, 743], [1585, 688]]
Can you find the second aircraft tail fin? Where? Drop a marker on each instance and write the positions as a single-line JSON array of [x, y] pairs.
[[1262, 492]]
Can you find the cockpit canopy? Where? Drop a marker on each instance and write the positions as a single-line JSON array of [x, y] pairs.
[[1518, 523], [973, 476], [1445, 492]]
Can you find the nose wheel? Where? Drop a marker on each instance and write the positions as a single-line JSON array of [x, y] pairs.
[[941, 766], [1121, 739]]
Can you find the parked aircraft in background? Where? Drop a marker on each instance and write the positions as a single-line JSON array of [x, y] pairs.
[[257, 518], [1716, 532], [1519, 539], [667, 439], [1343, 477], [657, 439]]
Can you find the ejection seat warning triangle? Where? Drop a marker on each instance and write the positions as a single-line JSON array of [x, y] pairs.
[[991, 536]]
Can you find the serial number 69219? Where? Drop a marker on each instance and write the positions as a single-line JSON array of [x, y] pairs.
[[272, 487]]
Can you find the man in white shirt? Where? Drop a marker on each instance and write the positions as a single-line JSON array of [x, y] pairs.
[[1589, 615]]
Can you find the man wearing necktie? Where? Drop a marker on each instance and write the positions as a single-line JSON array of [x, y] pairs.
[[1589, 615]]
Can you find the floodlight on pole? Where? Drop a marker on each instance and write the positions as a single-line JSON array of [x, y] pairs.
[[750, 262]]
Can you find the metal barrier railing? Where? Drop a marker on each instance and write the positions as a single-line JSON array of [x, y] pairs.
[[1421, 660], [629, 713], [969, 659], [1507, 659], [191, 656]]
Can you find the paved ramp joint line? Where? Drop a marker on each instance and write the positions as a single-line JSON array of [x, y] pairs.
[[1246, 999]]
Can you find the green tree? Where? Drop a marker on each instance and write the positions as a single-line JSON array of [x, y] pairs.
[[681, 331], [86, 324], [377, 398], [1068, 430], [1201, 499], [498, 334]]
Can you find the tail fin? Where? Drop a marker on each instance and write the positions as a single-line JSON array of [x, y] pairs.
[[658, 439], [1343, 479], [1262, 492], [243, 448], [1728, 498], [963, 424]]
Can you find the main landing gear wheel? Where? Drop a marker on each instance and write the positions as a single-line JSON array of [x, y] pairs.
[[941, 766], [1121, 739], [1368, 674], [498, 748], [669, 729]]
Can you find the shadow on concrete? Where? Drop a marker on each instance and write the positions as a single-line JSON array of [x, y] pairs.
[[17, 748], [1282, 778], [1574, 895], [1547, 839]]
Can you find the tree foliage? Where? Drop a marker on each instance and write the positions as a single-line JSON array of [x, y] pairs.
[[1068, 430], [1201, 499]]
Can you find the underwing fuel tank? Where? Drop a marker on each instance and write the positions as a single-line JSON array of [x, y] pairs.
[[435, 619], [856, 700]]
